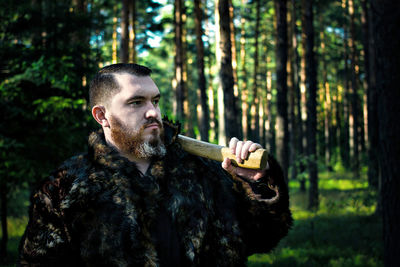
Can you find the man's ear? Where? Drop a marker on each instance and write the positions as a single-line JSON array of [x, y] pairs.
[[99, 114]]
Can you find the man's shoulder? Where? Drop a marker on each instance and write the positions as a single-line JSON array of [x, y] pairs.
[[62, 178]]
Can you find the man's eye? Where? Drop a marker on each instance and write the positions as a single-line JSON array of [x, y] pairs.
[[155, 102], [136, 103]]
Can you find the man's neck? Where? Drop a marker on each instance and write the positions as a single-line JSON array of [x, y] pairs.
[[141, 164]]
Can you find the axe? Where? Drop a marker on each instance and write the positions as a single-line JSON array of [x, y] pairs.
[[255, 160]]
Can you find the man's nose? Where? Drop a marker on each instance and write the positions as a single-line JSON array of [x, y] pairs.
[[151, 111]]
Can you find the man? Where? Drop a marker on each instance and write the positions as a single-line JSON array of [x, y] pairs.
[[137, 199]]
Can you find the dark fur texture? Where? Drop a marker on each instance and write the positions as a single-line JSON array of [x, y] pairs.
[[97, 210]]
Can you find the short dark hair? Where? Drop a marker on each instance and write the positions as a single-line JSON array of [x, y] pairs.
[[104, 85]]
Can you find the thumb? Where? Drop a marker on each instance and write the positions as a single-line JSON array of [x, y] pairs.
[[227, 165]]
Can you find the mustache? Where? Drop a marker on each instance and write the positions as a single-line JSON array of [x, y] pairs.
[[151, 121]]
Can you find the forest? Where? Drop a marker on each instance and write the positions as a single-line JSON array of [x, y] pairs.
[[316, 82]]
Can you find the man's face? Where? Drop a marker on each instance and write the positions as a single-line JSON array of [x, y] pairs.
[[135, 117]]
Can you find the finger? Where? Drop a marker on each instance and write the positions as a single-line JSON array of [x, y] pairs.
[[245, 149], [232, 144], [227, 165], [252, 175], [238, 151], [254, 147]]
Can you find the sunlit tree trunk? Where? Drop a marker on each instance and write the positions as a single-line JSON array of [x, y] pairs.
[[189, 110], [297, 131], [326, 99], [354, 89], [386, 21], [132, 32], [255, 103], [233, 41], [311, 84], [124, 52], [210, 90], [224, 55], [234, 68], [281, 85], [203, 109], [114, 37], [270, 126], [373, 133], [178, 82], [291, 89], [346, 143], [243, 87]]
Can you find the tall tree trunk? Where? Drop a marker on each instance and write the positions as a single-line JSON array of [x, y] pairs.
[[233, 48], [291, 88], [224, 50], [354, 95], [203, 114], [373, 133], [243, 87], [124, 55], [386, 21], [210, 92], [3, 215], [297, 120], [114, 37], [345, 140], [234, 68], [311, 83], [178, 82], [326, 101], [281, 85], [270, 126], [189, 111], [132, 32], [255, 117]]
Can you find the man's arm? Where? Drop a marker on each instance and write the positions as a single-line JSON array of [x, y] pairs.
[[46, 241], [263, 200]]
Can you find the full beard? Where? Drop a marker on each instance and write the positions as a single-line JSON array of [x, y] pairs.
[[133, 143]]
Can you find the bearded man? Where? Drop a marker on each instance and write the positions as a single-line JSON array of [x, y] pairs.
[[137, 199]]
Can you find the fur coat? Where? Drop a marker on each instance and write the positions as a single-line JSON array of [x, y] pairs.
[[97, 209]]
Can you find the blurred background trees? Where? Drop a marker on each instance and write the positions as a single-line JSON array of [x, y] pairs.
[[299, 77]]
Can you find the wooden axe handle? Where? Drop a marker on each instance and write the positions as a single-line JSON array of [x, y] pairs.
[[255, 160]]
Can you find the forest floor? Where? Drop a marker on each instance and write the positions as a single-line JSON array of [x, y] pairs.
[[345, 231]]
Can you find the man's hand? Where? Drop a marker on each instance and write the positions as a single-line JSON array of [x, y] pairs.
[[241, 150]]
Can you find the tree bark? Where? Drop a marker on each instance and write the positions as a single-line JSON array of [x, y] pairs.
[[373, 133], [204, 113], [345, 143], [178, 82], [326, 101], [354, 94], [311, 83], [124, 55], [243, 87], [226, 72], [386, 21], [132, 32], [114, 37], [255, 103], [281, 85]]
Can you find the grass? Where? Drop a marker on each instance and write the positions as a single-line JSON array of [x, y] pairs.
[[16, 228], [343, 232]]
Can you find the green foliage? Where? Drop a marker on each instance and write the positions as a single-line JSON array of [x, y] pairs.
[[344, 232]]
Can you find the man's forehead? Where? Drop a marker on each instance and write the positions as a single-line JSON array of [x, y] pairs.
[[135, 85]]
